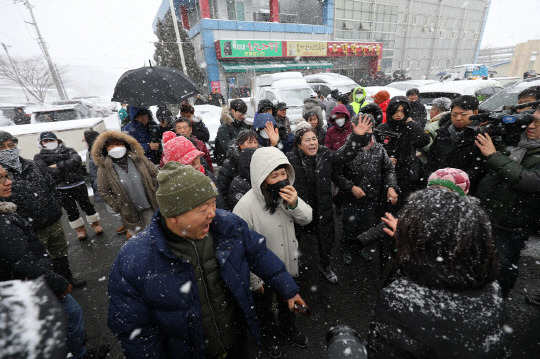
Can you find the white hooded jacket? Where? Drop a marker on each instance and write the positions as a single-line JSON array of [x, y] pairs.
[[277, 228]]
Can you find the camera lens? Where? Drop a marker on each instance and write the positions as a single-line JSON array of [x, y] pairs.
[[343, 341]]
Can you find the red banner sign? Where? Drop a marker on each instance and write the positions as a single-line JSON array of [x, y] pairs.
[[353, 49]]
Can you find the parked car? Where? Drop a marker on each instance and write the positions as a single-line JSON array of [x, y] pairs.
[[99, 101], [407, 85], [95, 111], [481, 89], [508, 96], [288, 87], [325, 82], [61, 113]]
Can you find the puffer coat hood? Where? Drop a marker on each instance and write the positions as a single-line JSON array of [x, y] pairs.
[[393, 105], [342, 110], [359, 95], [99, 151], [314, 105], [226, 117], [264, 161]]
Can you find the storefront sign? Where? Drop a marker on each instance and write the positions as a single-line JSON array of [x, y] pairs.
[[216, 87], [306, 48], [249, 48], [353, 49]]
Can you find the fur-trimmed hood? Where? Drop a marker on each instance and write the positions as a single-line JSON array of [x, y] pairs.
[[7, 207], [99, 152], [226, 117]]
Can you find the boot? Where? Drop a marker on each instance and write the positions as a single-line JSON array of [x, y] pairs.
[[81, 233], [78, 225], [121, 230], [128, 235], [328, 274], [61, 266], [97, 228], [94, 223]]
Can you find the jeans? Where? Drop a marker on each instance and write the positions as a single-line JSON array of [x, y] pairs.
[[509, 246], [75, 327]]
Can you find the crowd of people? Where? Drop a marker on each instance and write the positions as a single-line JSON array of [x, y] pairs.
[[212, 251]]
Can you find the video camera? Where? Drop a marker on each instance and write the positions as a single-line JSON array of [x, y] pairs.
[[342, 342], [506, 124], [382, 134]]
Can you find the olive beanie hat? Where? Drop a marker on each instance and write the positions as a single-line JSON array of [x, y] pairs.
[[182, 188]]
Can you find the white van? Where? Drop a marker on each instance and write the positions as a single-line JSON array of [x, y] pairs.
[[481, 89], [288, 87], [327, 81]]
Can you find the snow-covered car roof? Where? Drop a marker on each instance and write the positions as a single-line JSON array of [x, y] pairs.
[[461, 87], [50, 126], [406, 85], [211, 118], [330, 78]]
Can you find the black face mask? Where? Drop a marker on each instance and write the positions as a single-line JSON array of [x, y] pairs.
[[273, 189]]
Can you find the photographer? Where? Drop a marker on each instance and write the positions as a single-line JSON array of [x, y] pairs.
[[143, 128], [510, 194], [530, 94], [454, 146]]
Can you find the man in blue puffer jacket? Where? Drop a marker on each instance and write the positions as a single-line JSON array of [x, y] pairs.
[[270, 133], [180, 288], [146, 131]]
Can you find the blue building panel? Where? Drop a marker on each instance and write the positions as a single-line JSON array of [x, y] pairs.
[[291, 28], [207, 38], [194, 30], [227, 25], [245, 25], [277, 27], [213, 73], [210, 24], [262, 26], [308, 29]]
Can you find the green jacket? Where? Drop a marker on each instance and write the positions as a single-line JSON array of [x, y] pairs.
[[360, 101], [510, 192]]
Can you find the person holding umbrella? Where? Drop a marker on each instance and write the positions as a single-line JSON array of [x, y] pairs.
[[144, 129]]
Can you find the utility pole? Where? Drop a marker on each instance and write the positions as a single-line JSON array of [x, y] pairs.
[[15, 70], [55, 75], [178, 39]]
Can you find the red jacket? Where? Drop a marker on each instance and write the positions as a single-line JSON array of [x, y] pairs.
[[383, 106], [337, 136]]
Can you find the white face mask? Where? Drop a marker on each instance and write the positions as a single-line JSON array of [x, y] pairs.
[[117, 152], [340, 122], [264, 134], [195, 119], [51, 145]]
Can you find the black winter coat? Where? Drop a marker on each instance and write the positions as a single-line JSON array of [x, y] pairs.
[[68, 170], [227, 172], [414, 321], [370, 170], [314, 183], [22, 255], [418, 113], [457, 150], [241, 184], [34, 192], [412, 136], [200, 131]]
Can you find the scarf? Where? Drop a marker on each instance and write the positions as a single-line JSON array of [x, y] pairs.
[[525, 145], [10, 158]]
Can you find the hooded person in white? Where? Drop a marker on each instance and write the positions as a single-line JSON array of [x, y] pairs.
[[271, 212], [277, 228]]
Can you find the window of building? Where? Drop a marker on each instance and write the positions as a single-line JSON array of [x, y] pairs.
[[235, 10]]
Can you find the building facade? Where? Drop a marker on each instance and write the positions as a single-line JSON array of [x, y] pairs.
[[239, 39]]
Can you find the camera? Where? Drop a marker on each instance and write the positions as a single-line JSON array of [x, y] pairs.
[[383, 134], [343, 341], [507, 125]]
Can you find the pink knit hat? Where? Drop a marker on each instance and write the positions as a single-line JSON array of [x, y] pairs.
[[453, 178], [178, 149]]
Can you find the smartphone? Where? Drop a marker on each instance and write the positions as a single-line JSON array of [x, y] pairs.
[[302, 309]]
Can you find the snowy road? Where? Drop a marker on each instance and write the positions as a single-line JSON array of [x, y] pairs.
[[349, 303]]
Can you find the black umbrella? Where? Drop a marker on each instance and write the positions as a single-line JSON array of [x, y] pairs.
[[154, 85]]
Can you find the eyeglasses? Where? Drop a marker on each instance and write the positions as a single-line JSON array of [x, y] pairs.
[[3, 179]]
